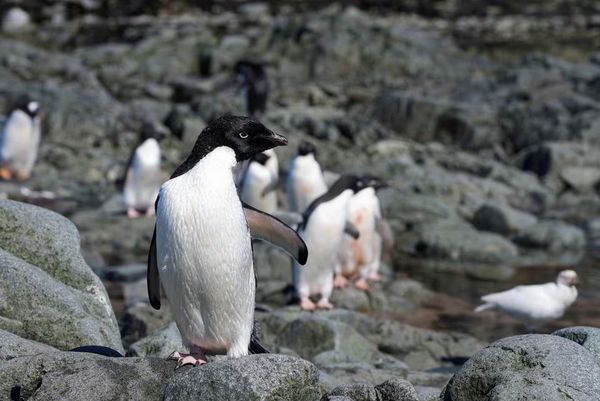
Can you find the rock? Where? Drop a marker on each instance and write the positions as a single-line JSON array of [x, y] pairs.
[[455, 240], [160, 344], [587, 337], [255, 377], [397, 389], [540, 367], [84, 377], [390, 390], [502, 219], [355, 392], [141, 320], [582, 179], [45, 283], [16, 20], [13, 346], [553, 235]]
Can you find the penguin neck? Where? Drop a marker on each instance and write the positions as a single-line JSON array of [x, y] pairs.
[[202, 148], [220, 159]]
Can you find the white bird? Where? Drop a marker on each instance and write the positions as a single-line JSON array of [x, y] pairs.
[[305, 181], [258, 184], [143, 179], [534, 304]]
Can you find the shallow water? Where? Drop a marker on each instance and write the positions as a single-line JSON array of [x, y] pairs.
[[458, 294]]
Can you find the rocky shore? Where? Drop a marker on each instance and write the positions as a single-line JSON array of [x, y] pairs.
[[494, 166]]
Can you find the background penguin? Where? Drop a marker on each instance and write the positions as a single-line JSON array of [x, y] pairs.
[[201, 248], [305, 181], [322, 229], [143, 177], [253, 78], [257, 183], [20, 141]]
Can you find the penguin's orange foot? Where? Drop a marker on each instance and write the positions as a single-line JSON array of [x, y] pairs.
[[150, 211], [307, 304], [375, 277], [187, 359], [324, 304], [22, 175], [361, 284], [132, 213], [5, 173], [340, 281]]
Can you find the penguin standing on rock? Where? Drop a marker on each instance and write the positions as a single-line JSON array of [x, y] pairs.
[[253, 78], [305, 181], [143, 178], [20, 140], [201, 250], [323, 227], [258, 184]]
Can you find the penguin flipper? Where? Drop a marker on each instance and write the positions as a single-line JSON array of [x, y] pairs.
[[152, 275], [268, 228], [351, 230], [273, 185]]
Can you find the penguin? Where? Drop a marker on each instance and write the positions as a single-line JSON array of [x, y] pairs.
[[20, 141], [257, 183], [360, 258], [201, 249], [253, 78], [305, 180], [324, 224]]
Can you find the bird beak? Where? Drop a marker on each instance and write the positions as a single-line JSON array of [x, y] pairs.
[[575, 281], [276, 139]]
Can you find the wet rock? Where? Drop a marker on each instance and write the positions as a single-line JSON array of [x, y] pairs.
[[553, 235], [541, 367], [160, 344], [260, 377], [587, 337], [46, 284], [82, 376], [13, 346], [502, 219]]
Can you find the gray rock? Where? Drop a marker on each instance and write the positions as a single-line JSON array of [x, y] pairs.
[[502, 219], [390, 390], [160, 344], [12, 346], [45, 283], [355, 392], [587, 337], [397, 389], [553, 235], [83, 377], [255, 377], [141, 320], [532, 367]]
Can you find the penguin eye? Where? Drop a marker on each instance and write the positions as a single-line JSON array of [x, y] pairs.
[[243, 135]]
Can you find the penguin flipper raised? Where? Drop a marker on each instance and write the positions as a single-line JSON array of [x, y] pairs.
[[152, 275], [266, 227]]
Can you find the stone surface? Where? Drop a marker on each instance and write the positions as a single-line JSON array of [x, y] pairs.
[[552, 235], [541, 367], [160, 344], [12, 346], [587, 337], [255, 377]]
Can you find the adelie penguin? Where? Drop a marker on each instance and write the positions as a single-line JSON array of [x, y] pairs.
[[259, 184], [201, 251], [20, 140], [324, 224], [143, 177], [305, 181], [253, 78]]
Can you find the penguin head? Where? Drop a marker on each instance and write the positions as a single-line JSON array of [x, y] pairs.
[[248, 71], [348, 181], [30, 107], [245, 136], [260, 158], [307, 148], [150, 130], [374, 182]]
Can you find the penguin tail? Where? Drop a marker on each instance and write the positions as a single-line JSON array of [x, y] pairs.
[[256, 347]]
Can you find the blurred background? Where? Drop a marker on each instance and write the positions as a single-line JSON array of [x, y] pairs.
[[483, 115]]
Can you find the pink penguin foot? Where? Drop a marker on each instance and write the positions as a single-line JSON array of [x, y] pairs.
[[324, 304], [361, 284], [150, 211], [307, 304], [187, 359], [375, 277], [132, 213], [340, 281]]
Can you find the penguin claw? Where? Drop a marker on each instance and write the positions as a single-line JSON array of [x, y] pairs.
[[5, 173], [132, 213], [307, 304], [361, 284], [375, 277], [340, 281], [186, 359], [324, 304]]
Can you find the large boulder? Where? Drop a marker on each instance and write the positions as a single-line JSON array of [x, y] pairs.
[[45, 285], [79, 376], [12, 346], [390, 390], [532, 367], [255, 377], [160, 344], [553, 235], [587, 337]]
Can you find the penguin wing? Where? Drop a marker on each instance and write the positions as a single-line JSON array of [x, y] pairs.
[[152, 275], [273, 185], [268, 228], [351, 230]]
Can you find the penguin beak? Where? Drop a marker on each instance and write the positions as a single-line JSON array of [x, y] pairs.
[[276, 139]]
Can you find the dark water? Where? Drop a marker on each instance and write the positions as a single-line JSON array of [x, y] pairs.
[[459, 294]]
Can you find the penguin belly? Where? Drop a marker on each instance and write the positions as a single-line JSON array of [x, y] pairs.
[[204, 256], [143, 178], [19, 143], [305, 183], [257, 179], [323, 236]]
